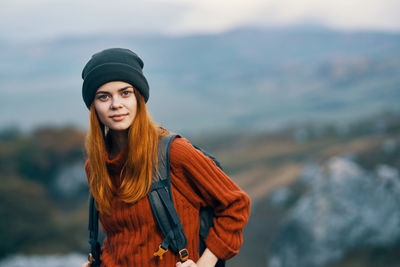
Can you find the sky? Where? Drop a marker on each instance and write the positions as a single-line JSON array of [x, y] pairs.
[[42, 19]]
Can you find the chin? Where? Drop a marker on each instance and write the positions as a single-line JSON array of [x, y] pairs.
[[119, 127]]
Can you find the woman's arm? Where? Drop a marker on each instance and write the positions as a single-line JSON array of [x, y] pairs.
[[207, 259], [204, 184]]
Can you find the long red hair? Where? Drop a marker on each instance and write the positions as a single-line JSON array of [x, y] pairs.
[[141, 158]]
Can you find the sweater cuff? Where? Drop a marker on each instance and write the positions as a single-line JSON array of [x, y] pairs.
[[219, 247]]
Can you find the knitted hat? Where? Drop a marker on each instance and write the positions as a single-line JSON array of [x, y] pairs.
[[113, 64]]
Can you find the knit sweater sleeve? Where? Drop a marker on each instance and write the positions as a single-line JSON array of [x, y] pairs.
[[204, 184]]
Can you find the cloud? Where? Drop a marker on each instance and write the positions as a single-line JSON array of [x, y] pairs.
[[209, 15], [30, 19], [36, 19]]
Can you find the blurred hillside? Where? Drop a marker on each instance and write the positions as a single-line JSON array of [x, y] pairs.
[[259, 79], [38, 215], [44, 192], [321, 189]]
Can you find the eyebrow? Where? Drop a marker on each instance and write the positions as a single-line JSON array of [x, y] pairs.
[[119, 90]]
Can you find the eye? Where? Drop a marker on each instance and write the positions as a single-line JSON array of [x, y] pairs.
[[102, 97], [127, 92]]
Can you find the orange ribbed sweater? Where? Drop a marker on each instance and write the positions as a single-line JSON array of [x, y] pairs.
[[132, 233]]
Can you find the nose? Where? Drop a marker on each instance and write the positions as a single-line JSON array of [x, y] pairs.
[[115, 103]]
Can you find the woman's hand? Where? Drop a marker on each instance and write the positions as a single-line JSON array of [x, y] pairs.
[[208, 259], [85, 264], [188, 263]]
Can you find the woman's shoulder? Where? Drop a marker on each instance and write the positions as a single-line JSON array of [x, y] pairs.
[[180, 148], [184, 155], [180, 144]]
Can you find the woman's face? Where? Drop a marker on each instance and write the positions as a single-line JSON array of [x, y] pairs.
[[116, 105]]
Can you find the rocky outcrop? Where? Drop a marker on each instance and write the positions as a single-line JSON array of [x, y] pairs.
[[344, 207]]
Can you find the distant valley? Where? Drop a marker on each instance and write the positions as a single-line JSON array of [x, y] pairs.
[[247, 79]]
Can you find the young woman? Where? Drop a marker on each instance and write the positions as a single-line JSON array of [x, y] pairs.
[[122, 149]]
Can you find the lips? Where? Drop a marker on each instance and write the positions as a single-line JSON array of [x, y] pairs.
[[118, 117]]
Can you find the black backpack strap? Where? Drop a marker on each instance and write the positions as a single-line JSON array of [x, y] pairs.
[[162, 205], [95, 251]]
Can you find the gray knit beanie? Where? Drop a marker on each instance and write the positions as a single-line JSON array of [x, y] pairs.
[[113, 64]]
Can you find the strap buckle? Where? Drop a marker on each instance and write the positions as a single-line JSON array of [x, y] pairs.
[[183, 255], [160, 252]]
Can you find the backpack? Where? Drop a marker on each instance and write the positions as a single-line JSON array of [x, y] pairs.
[[164, 211]]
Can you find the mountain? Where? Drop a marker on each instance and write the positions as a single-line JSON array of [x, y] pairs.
[[245, 79]]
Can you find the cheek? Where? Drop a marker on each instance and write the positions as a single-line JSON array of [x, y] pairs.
[[132, 106], [101, 112]]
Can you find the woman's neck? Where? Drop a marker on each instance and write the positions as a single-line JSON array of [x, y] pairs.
[[119, 139]]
